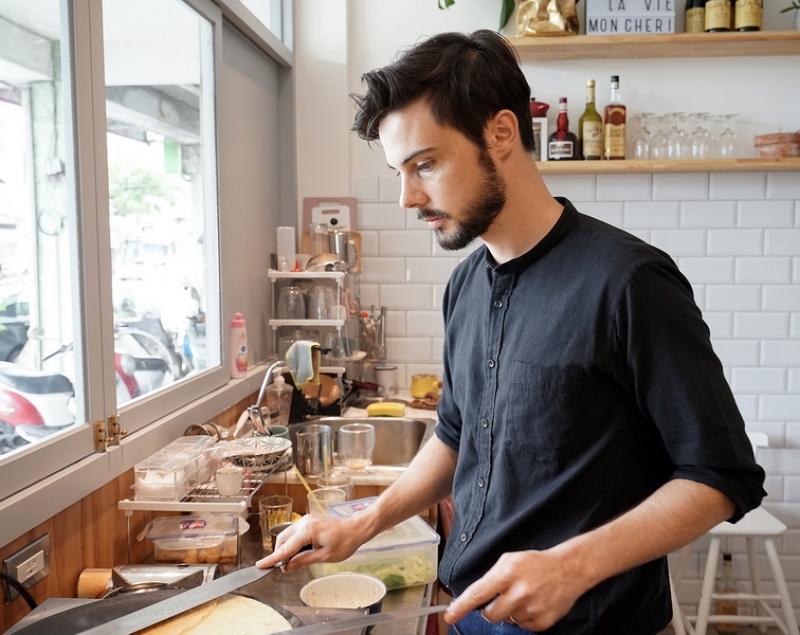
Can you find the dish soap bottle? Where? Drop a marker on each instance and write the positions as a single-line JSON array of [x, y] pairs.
[[726, 606], [279, 400], [238, 347]]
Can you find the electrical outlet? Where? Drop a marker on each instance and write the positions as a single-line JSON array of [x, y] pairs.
[[28, 565]]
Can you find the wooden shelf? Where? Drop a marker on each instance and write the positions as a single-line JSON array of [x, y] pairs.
[[634, 167], [727, 44]]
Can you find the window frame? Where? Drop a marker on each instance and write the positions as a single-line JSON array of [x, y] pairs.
[[73, 469]]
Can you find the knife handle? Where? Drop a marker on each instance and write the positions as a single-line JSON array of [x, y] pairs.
[[282, 563]]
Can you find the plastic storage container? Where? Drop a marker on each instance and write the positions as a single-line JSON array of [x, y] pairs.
[[208, 539], [174, 471], [404, 556]]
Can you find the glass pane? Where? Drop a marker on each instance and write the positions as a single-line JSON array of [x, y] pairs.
[[162, 191], [37, 367], [269, 13]]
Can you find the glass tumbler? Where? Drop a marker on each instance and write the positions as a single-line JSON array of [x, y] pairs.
[[356, 444], [273, 510], [291, 304]]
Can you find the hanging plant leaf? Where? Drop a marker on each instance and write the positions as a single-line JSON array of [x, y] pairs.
[[444, 4], [506, 12]]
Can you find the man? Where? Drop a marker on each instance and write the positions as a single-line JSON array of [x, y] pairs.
[[585, 428]]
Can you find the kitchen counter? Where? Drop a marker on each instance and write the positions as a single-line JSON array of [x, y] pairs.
[[284, 589]]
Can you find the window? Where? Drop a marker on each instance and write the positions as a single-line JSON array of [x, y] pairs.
[[113, 127]]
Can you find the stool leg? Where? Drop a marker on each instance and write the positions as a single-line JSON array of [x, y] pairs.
[[783, 590], [755, 577], [677, 614], [704, 609]]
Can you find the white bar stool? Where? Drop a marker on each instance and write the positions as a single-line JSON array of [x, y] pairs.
[[756, 524]]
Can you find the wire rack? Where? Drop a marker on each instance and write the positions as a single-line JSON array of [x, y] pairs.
[[206, 496]]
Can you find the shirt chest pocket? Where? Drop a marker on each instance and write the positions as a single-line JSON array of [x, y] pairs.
[[546, 415]]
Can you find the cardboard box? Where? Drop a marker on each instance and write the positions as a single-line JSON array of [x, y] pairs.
[[629, 17]]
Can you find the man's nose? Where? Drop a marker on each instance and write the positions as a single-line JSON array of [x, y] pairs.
[[411, 196]]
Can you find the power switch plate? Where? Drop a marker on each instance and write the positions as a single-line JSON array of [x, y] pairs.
[[28, 565]]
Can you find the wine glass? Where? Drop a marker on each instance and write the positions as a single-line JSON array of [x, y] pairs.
[[659, 147], [726, 142], [700, 138], [640, 143], [677, 140]]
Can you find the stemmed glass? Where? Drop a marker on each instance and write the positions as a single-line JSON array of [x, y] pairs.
[[726, 142], [640, 143], [700, 137], [659, 147], [677, 140]]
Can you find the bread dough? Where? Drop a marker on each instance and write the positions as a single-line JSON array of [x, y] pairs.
[[231, 614]]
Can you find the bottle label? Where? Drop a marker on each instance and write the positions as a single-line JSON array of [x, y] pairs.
[[614, 141], [718, 14], [696, 20], [749, 13], [561, 150], [592, 139]]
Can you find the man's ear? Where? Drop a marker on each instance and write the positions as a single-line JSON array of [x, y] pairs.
[[502, 133]]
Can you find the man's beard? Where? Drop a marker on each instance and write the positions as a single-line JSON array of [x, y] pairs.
[[482, 210]]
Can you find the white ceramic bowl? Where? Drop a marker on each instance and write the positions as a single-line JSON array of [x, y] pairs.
[[345, 591]]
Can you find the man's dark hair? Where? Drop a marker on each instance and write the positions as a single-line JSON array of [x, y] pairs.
[[466, 79]]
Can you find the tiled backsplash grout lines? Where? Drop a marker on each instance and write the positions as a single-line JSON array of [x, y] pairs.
[[736, 236]]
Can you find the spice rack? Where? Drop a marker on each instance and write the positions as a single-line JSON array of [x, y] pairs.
[[662, 46]]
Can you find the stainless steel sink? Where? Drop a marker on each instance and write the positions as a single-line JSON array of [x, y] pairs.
[[397, 439]]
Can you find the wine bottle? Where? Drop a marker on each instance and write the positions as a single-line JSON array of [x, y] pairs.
[[590, 128], [726, 585], [718, 15], [562, 145], [749, 15], [695, 16], [614, 125]]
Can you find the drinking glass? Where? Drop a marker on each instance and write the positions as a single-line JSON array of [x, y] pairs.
[[726, 142], [273, 510], [701, 138], [291, 304], [677, 140], [337, 479], [356, 443], [320, 301], [640, 142], [320, 499], [659, 146]]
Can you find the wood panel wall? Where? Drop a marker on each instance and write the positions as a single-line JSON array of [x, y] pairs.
[[92, 533]]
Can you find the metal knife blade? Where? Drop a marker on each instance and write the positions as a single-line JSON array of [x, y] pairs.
[[180, 603], [344, 624]]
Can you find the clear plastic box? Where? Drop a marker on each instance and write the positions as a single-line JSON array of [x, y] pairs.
[[207, 539], [174, 471], [404, 556]]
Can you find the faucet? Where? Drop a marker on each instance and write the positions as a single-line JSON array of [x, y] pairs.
[[268, 378]]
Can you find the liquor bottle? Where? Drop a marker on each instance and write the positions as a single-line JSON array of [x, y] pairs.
[[562, 145], [614, 125], [718, 15], [590, 128], [695, 16], [749, 15], [727, 584]]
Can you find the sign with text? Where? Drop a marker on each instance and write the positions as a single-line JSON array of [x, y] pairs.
[[620, 17]]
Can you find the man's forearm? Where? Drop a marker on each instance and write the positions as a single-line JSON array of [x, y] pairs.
[[676, 514], [426, 481]]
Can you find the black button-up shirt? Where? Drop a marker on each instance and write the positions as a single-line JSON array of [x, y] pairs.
[[579, 378]]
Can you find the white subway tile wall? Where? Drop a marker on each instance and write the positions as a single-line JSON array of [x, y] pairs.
[[737, 239]]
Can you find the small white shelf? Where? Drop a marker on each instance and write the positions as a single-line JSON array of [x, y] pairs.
[[276, 323], [304, 275]]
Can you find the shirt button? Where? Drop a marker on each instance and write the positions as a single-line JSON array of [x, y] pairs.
[[498, 304], [491, 363], [481, 482], [485, 423], [463, 537]]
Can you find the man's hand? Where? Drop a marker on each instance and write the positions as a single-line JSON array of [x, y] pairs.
[[332, 540], [533, 589]]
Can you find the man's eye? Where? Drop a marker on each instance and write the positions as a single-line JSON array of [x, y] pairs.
[[422, 167]]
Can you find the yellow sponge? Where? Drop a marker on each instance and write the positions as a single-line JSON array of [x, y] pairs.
[[386, 409]]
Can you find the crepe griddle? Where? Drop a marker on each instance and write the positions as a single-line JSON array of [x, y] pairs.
[[90, 614]]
